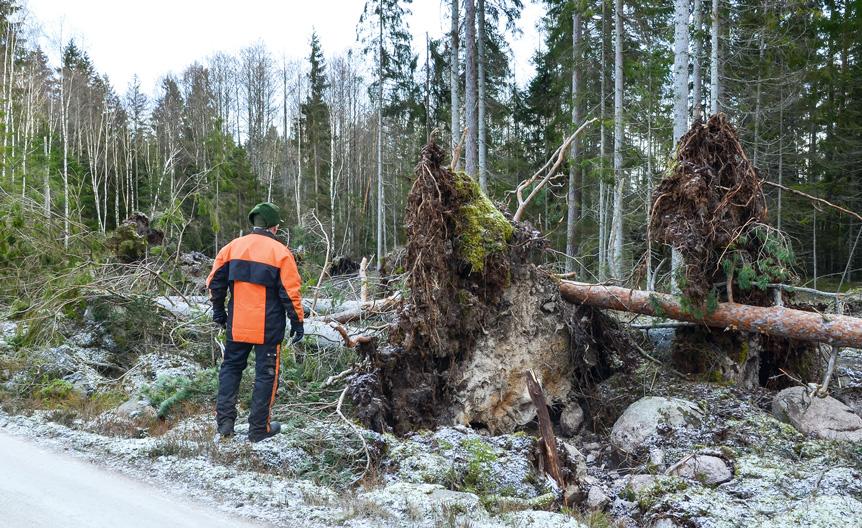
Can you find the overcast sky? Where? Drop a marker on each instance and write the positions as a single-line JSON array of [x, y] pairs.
[[154, 37]]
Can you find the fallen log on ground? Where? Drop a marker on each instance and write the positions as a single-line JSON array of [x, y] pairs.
[[358, 310], [836, 330]]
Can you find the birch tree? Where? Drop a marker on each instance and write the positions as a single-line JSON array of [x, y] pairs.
[[573, 197], [619, 178], [714, 87], [696, 82], [482, 132], [470, 91], [680, 101], [455, 78]]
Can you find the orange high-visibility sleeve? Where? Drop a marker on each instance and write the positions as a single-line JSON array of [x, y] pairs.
[[291, 282]]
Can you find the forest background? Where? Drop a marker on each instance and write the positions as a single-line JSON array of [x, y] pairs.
[[334, 137]]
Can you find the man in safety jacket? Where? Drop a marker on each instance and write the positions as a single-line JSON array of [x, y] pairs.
[[261, 275]]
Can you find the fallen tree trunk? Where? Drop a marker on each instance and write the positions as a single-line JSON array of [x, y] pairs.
[[357, 310], [836, 330]]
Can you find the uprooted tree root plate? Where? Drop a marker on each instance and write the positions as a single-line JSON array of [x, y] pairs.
[[479, 315], [711, 208]]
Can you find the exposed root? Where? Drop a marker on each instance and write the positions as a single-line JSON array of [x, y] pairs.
[[710, 197]]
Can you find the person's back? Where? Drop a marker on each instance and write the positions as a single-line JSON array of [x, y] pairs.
[[261, 276]]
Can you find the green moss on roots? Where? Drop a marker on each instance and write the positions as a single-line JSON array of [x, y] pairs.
[[482, 229]]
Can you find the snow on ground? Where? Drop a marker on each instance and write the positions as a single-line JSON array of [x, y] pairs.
[[265, 496]]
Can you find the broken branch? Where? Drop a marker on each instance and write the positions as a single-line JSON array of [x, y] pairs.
[[815, 199], [560, 154]]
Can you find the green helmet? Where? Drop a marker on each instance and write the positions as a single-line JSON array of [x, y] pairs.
[[265, 215]]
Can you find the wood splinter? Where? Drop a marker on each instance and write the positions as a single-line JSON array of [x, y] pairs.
[[546, 428]]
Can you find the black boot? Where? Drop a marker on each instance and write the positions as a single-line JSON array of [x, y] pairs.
[[274, 429], [225, 429]]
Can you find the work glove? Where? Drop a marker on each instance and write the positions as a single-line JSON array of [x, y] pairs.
[[221, 323], [297, 330]]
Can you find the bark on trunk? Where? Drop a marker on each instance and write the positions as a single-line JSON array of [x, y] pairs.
[[836, 330], [714, 86], [546, 428], [680, 107], [471, 151], [480, 68], [454, 82], [573, 194], [619, 179], [696, 83]]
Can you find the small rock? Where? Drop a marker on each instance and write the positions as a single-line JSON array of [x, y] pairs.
[[577, 459], [571, 494], [639, 483], [662, 340], [656, 457], [597, 499], [571, 419], [641, 420], [591, 480], [826, 418], [710, 470], [664, 523], [135, 408]]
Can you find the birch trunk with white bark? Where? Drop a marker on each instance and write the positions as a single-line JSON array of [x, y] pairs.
[[680, 106], [619, 179], [572, 197]]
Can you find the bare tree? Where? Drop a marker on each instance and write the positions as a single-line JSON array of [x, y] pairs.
[[573, 196], [65, 99], [619, 177], [603, 212], [455, 79], [381, 217], [680, 107], [714, 87], [470, 103], [697, 83], [483, 126]]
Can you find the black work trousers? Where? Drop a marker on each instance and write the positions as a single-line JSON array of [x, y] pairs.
[[267, 361]]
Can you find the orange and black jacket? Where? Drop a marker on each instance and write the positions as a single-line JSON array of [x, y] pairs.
[[264, 285]]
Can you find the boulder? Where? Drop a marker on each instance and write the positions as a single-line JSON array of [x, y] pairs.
[[571, 419], [539, 519], [708, 469], [641, 421], [426, 502], [825, 418]]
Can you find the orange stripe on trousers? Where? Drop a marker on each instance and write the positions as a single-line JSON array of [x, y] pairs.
[[274, 384]]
